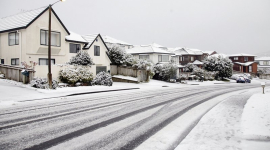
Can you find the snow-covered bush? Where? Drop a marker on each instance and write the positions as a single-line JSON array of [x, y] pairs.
[[142, 64], [117, 55], [189, 67], [103, 78], [77, 74], [165, 71], [223, 66], [81, 58], [42, 83]]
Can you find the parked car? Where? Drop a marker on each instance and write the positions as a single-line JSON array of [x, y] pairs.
[[248, 80], [241, 80]]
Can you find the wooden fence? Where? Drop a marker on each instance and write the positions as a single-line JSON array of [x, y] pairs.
[[141, 74], [265, 76], [14, 73]]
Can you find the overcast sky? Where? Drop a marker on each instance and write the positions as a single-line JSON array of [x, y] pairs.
[[226, 26]]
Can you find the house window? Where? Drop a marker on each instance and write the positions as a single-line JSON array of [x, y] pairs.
[[235, 58], [145, 57], [245, 58], [181, 58], [13, 38], [163, 58], [55, 38], [2, 61], [191, 58], [96, 51], [101, 68], [15, 61], [44, 61], [250, 68], [265, 63], [74, 48]]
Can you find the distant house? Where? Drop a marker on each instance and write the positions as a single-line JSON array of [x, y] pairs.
[[111, 41], [24, 37], [263, 62], [210, 52], [244, 63], [154, 52]]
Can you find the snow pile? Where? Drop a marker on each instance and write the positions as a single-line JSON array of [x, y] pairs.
[[125, 77], [256, 118], [2, 75], [103, 78]]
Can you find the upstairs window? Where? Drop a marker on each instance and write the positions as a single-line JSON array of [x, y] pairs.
[[235, 58], [13, 38], [163, 58], [96, 50], [191, 58], [74, 48], [55, 38], [181, 58], [145, 57], [245, 58], [44, 61], [15, 61], [265, 63]]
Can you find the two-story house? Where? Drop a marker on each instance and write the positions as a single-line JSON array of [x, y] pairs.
[[244, 63], [154, 52], [263, 63], [24, 37]]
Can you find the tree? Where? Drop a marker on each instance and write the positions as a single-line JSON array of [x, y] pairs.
[[189, 67], [165, 71], [223, 66], [118, 55], [81, 58]]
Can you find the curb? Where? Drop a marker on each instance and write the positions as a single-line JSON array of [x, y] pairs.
[[81, 94]]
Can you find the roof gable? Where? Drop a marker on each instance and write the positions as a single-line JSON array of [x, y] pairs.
[[25, 19]]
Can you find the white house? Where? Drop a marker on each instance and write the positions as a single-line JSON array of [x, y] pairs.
[[24, 37], [154, 52], [263, 63]]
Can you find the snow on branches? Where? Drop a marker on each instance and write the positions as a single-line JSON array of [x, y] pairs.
[[81, 58], [165, 71], [103, 78], [118, 55], [223, 66], [77, 74], [42, 83]]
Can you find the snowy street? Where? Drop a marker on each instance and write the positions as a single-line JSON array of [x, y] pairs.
[[113, 120]]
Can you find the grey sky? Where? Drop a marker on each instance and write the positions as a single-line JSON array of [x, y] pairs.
[[226, 26]]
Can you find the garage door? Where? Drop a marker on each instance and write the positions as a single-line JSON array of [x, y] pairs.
[[101, 68]]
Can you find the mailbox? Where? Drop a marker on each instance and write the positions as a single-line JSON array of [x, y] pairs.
[[25, 72]]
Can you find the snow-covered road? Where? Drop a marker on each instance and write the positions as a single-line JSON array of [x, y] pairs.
[[116, 120]]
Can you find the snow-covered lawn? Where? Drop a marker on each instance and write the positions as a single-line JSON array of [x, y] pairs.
[[233, 124]]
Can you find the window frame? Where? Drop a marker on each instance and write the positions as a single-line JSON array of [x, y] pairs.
[[76, 47], [95, 52], [191, 58], [16, 34], [2, 61], [15, 61], [235, 58], [161, 56], [101, 67], [47, 32], [46, 61], [245, 58], [144, 56]]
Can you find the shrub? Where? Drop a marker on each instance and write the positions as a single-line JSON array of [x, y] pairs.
[[77, 74], [165, 71], [189, 67], [81, 58], [42, 83], [117, 55], [103, 78]]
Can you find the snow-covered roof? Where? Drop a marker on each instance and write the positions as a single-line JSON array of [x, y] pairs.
[[157, 45], [108, 39], [24, 19], [74, 37], [209, 52], [263, 58], [20, 20], [146, 49], [241, 54], [187, 51], [245, 64], [197, 62], [90, 39]]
